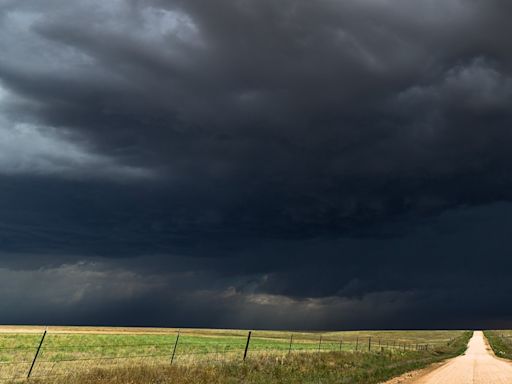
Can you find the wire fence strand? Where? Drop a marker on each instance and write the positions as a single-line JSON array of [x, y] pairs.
[[62, 353]]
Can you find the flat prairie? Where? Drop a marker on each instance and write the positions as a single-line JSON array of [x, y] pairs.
[[83, 349]]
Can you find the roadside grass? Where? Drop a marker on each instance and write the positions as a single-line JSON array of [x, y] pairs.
[[500, 342], [82, 349], [318, 368]]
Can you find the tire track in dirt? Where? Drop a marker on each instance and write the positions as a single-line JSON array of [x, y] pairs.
[[478, 365]]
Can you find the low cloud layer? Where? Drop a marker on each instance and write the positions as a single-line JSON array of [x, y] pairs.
[[328, 155]]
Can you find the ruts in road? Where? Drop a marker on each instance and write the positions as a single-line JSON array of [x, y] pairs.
[[477, 366]]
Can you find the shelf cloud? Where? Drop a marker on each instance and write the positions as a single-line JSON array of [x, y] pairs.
[[324, 157]]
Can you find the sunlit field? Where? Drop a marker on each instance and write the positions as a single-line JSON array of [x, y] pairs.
[[81, 350]]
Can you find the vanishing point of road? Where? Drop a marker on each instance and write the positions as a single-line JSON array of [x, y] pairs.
[[478, 365]]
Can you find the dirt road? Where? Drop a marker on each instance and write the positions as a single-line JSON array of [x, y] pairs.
[[477, 366]]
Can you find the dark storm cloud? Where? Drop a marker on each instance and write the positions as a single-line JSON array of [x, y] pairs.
[[433, 278], [286, 148]]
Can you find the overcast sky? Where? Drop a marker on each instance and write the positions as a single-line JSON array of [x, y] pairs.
[[328, 164]]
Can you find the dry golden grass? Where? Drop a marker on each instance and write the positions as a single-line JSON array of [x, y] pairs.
[[325, 368], [82, 349]]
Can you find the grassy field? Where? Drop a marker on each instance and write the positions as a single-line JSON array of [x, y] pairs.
[[81, 350], [501, 343]]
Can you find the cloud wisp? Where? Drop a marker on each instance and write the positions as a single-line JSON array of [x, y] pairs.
[[33, 150]]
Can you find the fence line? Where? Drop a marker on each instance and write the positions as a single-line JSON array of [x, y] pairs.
[[50, 354]]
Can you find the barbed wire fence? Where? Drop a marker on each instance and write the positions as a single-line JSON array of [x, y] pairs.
[[43, 355]]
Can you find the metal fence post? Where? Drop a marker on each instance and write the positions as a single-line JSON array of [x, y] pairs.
[[320, 343], [369, 344], [247, 344], [291, 341], [341, 344], [357, 343], [175, 346], [37, 353]]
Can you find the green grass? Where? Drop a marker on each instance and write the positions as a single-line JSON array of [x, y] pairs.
[[501, 343], [80, 349], [300, 367]]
